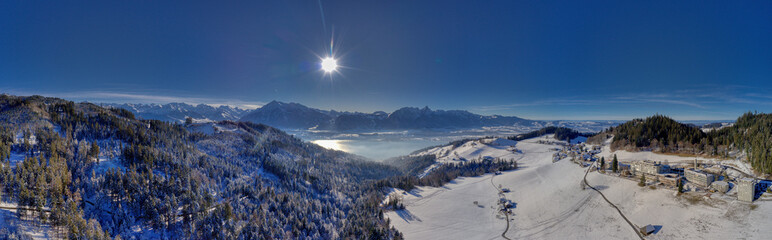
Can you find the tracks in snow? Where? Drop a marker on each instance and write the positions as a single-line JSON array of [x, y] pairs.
[[501, 195], [635, 229], [506, 213]]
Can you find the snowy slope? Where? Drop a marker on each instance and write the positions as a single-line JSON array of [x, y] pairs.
[[551, 205], [474, 150], [10, 224]]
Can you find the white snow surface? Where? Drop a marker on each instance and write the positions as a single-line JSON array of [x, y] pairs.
[[106, 164], [10, 221], [474, 150], [16, 158], [551, 205], [723, 125], [20, 138]]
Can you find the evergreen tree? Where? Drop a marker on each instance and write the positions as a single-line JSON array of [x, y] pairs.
[[27, 145], [615, 164], [643, 180], [602, 163], [94, 151]]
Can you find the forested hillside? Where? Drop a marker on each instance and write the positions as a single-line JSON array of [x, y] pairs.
[[103, 174], [659, 133], [751, 133], [561, 133], [412, 165]]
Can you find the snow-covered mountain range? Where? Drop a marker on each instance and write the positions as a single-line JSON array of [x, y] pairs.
[[294, 115], [289, 115], [177, 112], [297, 116]]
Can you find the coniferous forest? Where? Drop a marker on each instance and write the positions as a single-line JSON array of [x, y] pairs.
[[561, 133], [93, 172], [751, 134]]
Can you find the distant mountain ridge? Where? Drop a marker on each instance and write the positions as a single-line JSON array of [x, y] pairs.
[[297, 116], [294, 115], [288, 115], [178, 112]]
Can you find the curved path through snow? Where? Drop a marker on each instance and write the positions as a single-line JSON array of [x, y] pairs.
[[635, 229]]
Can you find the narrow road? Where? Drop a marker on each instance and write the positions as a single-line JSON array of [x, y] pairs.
[[635, 229], [506, 213], [501, 195]]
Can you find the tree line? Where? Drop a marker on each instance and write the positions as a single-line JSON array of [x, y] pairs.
[[751, 134], [561, 133]]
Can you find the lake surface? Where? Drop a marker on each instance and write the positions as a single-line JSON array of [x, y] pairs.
[[377, 149], [381, 145]]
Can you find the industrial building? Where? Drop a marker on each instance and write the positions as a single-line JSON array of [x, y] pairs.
[[746, 189], [720, 186], [646, 167], [698, 177], [670, 180]]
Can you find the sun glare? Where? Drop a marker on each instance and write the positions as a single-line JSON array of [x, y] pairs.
[[331, 144], [329, 64]]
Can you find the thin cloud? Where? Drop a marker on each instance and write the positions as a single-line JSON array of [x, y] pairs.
[[661, 100], [547, 102], [695, 100]]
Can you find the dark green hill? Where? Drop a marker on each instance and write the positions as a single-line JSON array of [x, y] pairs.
[[658, 132], [751, 133], [561, 133]]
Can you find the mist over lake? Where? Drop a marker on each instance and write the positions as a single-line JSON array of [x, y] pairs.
[[380, 145], [378, 149]]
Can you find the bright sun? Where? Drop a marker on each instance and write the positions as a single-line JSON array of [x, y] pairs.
[[329, 64]]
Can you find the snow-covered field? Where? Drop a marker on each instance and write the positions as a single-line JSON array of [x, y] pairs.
[[474, 150], [10, 222], [16, 158], [550, 204]]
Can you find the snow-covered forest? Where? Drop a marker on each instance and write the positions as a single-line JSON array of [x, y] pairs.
[[92, 172]]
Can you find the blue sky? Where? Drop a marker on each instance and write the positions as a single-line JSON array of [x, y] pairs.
[[535, 59]]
